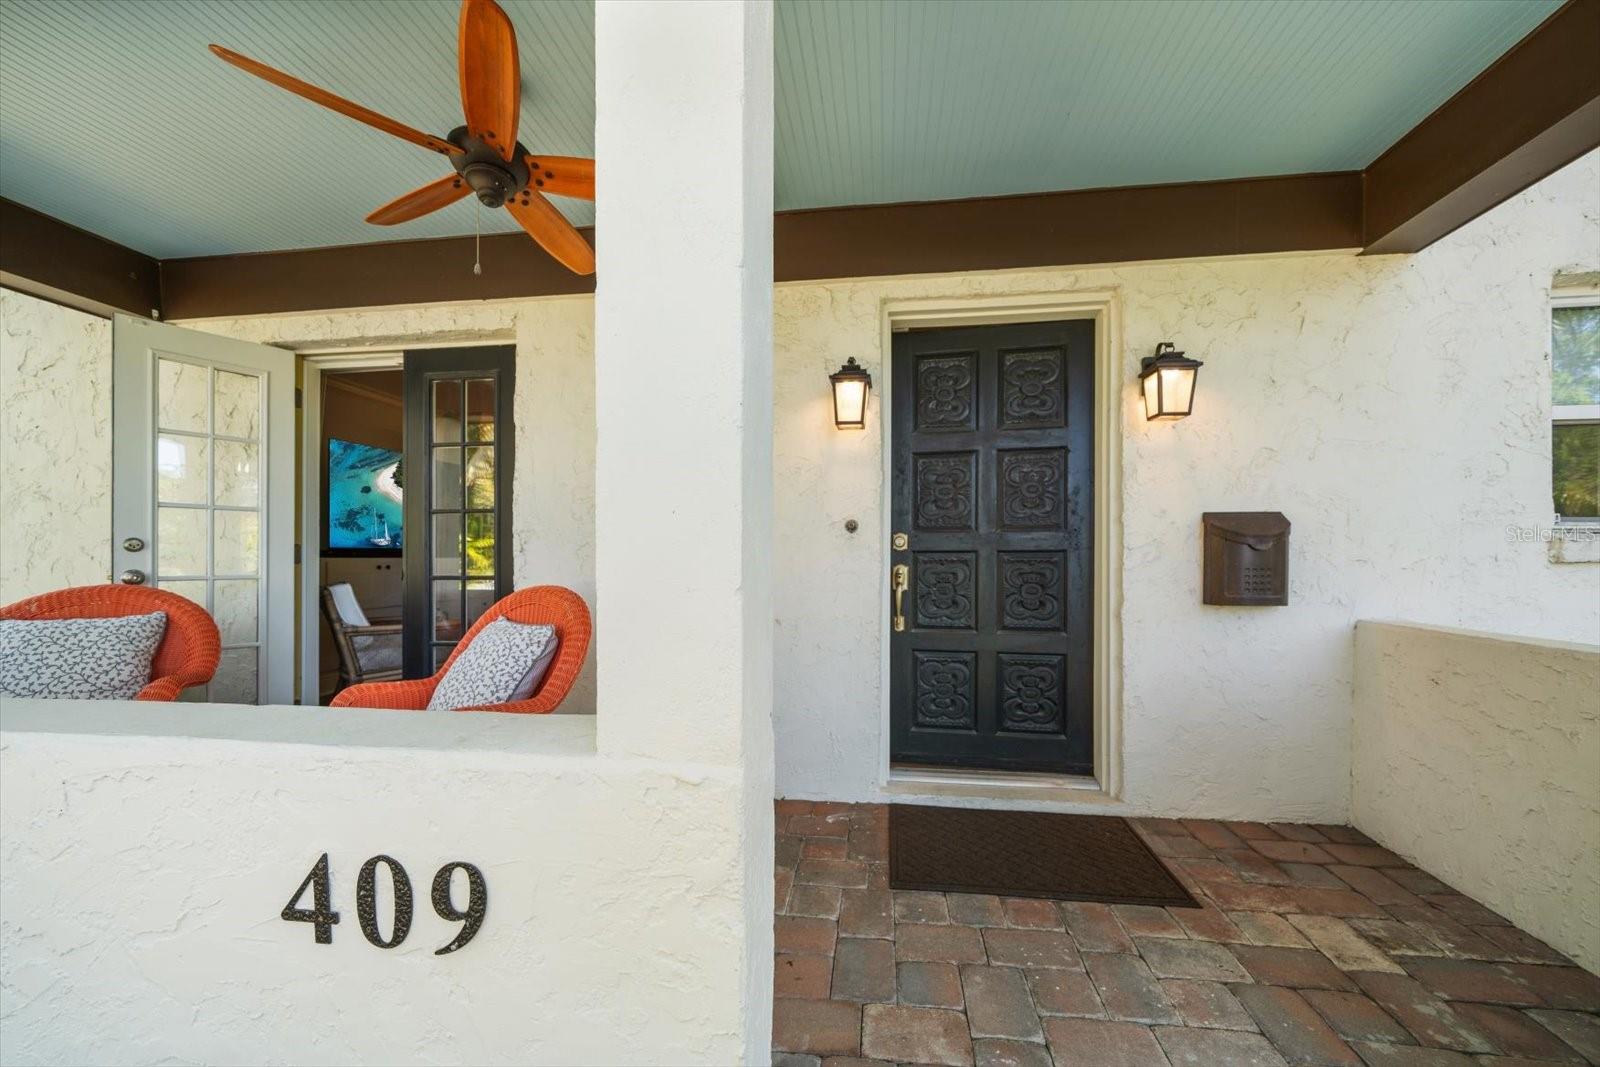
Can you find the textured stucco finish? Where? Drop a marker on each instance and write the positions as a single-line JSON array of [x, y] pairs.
[[55, 447], [148, 850], [1396, 408], [1478, 758], [683, 401], [552, 540]]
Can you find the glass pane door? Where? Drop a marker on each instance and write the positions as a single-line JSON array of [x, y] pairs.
[[209, 502], [458, 404]]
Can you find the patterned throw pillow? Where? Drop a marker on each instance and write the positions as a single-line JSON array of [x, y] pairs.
[[503, 664], [83, 659]]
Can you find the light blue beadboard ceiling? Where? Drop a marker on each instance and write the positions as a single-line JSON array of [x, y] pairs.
[[115, 118]]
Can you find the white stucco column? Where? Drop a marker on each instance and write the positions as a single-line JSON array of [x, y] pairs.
[[683, 406], [683, 380]]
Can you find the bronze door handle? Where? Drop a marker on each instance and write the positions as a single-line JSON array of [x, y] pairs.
[[899, 579]]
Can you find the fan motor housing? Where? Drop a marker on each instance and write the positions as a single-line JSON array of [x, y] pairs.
[[487, 173]]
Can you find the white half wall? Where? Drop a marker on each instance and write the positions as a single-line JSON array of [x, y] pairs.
[[55, 447], [1477, 757], [148, 850]]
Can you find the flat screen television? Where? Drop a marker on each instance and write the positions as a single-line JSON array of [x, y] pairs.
[[363, 509]]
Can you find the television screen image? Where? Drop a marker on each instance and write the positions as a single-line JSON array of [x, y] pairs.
[[364, 498]]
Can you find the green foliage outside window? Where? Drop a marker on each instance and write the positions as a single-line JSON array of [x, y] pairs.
[[1575, 372], [1575, 349], [1577, 470]]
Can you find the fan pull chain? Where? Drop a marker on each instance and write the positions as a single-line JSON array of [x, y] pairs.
[[477, 238]]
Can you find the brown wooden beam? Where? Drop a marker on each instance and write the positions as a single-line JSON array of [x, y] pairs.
[[1221, 218], [49, 258], [1536, 109], [369, 275]]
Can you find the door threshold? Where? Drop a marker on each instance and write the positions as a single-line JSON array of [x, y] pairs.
[[911, 778]]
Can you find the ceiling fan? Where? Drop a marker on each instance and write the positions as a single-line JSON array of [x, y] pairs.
[[487, 157]]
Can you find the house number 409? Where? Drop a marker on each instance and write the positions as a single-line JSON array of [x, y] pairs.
[[323, 918]]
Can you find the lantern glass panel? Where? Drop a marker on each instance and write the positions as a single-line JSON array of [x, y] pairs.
[[850, 402], [1152, 395], [1177, 390]]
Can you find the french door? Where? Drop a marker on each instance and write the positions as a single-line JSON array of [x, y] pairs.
[[458, 459], [992, 555], [203, 492]]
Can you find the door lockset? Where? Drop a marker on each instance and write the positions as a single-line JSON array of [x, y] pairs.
[[899, 579]]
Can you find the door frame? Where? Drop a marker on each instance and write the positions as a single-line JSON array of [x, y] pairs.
[[1110, 391], [308, 624]]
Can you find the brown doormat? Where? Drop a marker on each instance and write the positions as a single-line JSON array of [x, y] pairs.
[[1027, 854]]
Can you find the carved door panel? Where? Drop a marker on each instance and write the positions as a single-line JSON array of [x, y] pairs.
[[993, 438]]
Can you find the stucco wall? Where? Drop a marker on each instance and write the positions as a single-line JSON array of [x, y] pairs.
[[148, 851], [1395, 408], [1478, 758], [553, 485], [55, 447]]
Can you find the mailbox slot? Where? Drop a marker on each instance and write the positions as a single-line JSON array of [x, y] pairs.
[[1246, 558]]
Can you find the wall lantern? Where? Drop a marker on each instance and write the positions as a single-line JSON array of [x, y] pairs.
[[851, 385], [1167, 379]]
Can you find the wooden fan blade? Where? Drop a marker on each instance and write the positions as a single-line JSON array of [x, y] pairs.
[[336, 103], [553, 232], [562, 175], [419, 202], [491, 75]]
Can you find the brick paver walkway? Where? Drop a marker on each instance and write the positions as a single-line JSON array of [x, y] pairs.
[[1314, 947]]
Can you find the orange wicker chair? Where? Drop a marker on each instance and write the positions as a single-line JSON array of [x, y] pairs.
[[552, 604], [189, 650]]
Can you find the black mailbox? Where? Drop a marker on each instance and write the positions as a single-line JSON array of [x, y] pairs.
[[1246, 557]]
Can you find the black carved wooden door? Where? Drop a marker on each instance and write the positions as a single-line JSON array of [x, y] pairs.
[[993, 442]]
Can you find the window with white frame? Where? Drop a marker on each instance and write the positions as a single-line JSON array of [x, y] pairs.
[[1575, 414]]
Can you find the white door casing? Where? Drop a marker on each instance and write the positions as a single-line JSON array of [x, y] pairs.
[[203, 491]]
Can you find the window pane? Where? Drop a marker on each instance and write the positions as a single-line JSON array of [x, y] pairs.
[[1577, 470], [480, 544], [193, 590], [446, 412], [480, 477], [446, 478], [480, 597], [181, 541], [480, 409], [181, 468], [440, 654], [447, 611], [1575, 353], [236, 610], [235, 680], [183, 394], [238, 542], [236, 483], [238, 405], [447, 543]]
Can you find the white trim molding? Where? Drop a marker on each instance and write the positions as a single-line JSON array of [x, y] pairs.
[[1103, 307]]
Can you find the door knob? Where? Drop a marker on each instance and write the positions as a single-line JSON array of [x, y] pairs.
[[131, 577]]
